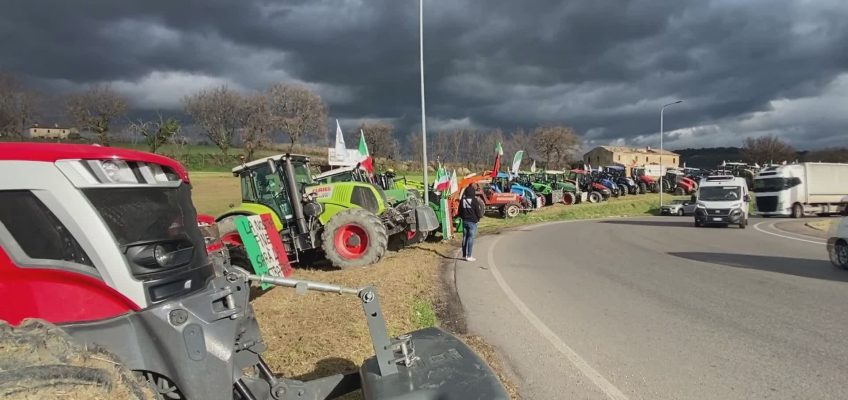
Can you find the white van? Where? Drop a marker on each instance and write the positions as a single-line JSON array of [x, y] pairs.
[[722, 200]]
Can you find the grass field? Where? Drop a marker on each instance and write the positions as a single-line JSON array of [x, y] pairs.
[[319, 334]]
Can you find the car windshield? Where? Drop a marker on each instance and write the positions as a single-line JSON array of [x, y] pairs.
[[720, 193]]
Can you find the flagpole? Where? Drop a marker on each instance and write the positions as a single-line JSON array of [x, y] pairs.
[[423, 113]]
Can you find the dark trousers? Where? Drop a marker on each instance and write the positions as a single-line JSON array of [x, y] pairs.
[[469, 230]]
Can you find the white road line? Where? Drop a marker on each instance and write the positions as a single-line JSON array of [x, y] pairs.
[[592, 374], [757, 227]]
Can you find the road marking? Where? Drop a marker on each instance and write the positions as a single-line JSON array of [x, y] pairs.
[[757, 227], [592, 374]]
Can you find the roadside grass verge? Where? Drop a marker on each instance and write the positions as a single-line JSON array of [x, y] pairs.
[[823, 225], [320, 334], [628, 206]]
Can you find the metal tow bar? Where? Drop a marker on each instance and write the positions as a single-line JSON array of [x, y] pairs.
[[389, 352]]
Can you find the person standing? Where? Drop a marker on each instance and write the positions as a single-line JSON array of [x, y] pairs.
[[470, 210]]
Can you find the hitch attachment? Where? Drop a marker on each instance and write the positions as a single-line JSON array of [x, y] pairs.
[[389, 351]]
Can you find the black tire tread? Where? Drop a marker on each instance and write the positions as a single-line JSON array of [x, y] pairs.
[[372, 224]]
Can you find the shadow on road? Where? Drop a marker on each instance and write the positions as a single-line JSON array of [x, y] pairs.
[[818, 269], [673, 222]]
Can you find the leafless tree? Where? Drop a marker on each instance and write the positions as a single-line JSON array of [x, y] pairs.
[[414, 146], [380, 139], [16, 106], [555, 143], [766, 149], [94, 109], [156, 132], [259, 124], [298, 112], [219, 113]]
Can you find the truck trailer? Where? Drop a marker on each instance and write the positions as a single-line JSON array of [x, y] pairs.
[[799, 189]]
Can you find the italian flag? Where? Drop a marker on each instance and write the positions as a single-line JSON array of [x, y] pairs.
[[442, 182], [365, 159], [498, 154]]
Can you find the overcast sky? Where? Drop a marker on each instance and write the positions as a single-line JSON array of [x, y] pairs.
[[744, 68]]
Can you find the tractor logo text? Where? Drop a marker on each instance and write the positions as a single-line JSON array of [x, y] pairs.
[[323, 192]]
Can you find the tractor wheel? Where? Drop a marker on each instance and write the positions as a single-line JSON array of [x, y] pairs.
[[511, 210], [643, 188], [678, 191], [354, 238], [680, 212], [743, 224], [595, 197], [238, 258], [623, 190], [39, 361], [568, 198]]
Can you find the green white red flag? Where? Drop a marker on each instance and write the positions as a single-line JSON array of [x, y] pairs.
[[498, 154], [365, 159], [442, 182]]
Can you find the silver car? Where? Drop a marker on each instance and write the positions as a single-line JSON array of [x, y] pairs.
[[678, 207]]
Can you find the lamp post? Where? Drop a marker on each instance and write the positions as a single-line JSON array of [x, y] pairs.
[[662, 112], [423, 113]]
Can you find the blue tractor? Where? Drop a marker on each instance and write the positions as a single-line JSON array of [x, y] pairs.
[[534, 200]]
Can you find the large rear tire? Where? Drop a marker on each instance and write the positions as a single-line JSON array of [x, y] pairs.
[[38, 360], [595, 197], [568, 198], [354, 238], [678, 191], [643, 188]]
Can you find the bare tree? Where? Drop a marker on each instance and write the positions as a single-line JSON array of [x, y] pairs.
[[414, 146], [555, 143], [766, 149], [156, 132], [219, 113], [94, 109], [16, 106], [259, 124], [298, 112], [380, 139]]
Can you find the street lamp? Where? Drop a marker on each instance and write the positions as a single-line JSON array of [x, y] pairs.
[[423, 113], [662, 112]]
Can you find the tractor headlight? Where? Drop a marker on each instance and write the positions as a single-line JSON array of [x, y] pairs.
[[118, 171], [162, 256]]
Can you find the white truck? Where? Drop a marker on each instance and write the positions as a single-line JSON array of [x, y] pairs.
[[721, 200], [799, 189]]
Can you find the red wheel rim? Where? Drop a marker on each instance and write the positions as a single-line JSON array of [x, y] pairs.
[[351, 241]]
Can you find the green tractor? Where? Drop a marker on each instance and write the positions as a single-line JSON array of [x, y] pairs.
[[535, 181], [557, 179], [350, 222], [398, 195]]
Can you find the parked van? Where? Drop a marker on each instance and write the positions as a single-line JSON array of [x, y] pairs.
[[722, 200]]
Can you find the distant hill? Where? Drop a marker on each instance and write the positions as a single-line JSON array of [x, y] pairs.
[[709, 157]]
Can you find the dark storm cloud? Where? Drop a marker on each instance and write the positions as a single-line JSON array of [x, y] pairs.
[[605, 67]]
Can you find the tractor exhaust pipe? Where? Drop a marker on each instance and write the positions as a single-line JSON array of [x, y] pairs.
[[297, 207]]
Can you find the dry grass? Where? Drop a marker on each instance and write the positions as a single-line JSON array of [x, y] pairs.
[[213, 192], [319, 334]]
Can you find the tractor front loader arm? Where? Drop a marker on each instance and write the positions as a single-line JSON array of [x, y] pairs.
[[428, 364]]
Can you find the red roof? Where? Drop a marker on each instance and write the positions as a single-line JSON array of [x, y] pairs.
[[51, 152]]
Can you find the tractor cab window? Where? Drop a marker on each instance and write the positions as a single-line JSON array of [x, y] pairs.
[[302, 174], [247, 191], [37, 230], [270, 189]]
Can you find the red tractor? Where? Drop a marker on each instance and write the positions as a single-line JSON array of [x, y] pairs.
[[103, 245], [508, 205], [645, 182]]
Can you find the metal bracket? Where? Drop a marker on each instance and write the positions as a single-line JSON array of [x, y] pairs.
[[383, 348]]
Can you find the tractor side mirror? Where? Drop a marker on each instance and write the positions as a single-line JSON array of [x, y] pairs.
[[272, 166], [747, 198]]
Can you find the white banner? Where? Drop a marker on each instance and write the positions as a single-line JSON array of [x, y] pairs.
[[348, 158]]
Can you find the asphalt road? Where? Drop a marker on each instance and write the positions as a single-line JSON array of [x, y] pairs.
[[653, 308]]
